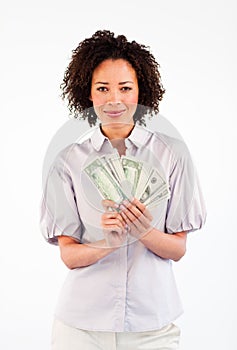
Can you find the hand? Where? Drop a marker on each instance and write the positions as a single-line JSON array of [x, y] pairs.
[[113, 225], [137, 217]]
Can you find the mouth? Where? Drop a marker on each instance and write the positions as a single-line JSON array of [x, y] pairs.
[[115, 113]]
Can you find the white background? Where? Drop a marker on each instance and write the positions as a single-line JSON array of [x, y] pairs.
[[195, 44]]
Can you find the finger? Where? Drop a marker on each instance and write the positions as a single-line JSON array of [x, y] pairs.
[[108, 204], [136, 228], [113, 229], [131, 209], [112, 215], [142, 208], [135, 217], [114, 221], [138, 204]]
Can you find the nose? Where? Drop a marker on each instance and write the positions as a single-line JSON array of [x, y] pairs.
[[114, 97]]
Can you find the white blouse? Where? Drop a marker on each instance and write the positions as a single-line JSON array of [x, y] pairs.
[[131, 289]]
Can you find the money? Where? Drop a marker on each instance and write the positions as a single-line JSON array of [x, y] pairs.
[[107, 185], [153, 202], [154, 184], [123, 178], [115, 165], [132, 170]]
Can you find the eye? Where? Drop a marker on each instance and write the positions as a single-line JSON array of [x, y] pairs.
[[126, 88], [102, 89]]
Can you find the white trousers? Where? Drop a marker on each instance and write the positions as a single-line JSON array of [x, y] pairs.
[[68, 338]]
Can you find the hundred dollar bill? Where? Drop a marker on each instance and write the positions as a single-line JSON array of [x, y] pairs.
[[152, 202], [132, 169], [107, 185], [154, 184], [144, 176], [109, 168], [114, 162]]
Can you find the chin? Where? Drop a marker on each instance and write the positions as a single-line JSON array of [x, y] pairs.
[[117, 124]]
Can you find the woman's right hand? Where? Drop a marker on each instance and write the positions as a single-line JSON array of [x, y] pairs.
[[114, 227]]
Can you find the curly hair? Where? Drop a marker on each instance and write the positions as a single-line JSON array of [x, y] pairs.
[[76, 86]]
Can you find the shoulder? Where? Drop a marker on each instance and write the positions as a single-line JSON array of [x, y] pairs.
[[177, 148], [72, 156], [82, 146]]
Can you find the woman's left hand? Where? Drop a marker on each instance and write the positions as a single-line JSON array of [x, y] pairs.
[[137, 217]]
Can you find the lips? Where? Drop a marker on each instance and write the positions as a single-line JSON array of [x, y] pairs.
[[114, 113]]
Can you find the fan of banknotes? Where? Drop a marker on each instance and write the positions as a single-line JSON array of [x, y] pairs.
[[119, 178]]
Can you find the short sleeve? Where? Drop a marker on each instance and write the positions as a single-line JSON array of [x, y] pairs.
[[59, 214], [186, 208]]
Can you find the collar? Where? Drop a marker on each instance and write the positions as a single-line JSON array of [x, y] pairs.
[[98, 138], [139, 137]]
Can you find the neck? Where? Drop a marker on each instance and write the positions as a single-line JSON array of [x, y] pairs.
[[118, 131]]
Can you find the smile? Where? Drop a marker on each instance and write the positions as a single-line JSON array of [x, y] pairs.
[[114, 114]]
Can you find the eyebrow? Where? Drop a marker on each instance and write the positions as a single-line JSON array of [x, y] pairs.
[[121, 83]]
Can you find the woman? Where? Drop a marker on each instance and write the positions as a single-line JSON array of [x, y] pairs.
[[120, 292]]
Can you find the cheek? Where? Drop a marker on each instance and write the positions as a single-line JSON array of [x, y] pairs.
[[133, 98], [96, 99]]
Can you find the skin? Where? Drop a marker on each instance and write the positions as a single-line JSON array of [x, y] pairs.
[[114, 93]]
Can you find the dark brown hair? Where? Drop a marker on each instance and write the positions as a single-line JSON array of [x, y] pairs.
[[76, 86]]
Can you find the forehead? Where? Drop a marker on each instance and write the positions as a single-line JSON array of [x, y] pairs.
[[118, 68]]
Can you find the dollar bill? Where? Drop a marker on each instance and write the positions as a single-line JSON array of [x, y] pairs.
[[122, 178], [108, 167], [144, 176], [153, 202], [107, 185], [115, 165], [153, 185], [132, 170]]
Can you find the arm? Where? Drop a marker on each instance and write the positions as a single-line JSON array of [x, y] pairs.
[[167, 246], [76, 255], [138, 218]]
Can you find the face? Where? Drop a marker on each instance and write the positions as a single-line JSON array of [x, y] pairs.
[[114, 93]]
